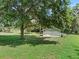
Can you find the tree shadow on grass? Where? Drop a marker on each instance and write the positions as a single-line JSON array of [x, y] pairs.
[[14, 40], [77, 51]]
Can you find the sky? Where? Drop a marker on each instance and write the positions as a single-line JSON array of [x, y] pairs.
[[74, 2]]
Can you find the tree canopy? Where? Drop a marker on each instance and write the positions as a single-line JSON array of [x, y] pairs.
[[46, 13]]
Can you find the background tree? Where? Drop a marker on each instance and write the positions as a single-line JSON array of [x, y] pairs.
[[56, 17], [75, 22]]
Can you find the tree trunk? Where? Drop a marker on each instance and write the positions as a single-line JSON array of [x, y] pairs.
[[41, 31], [22, 31]]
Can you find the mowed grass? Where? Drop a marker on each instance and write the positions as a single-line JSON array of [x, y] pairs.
[[33, 47]]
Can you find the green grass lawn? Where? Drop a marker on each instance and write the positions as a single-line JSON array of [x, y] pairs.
[[11, 47]]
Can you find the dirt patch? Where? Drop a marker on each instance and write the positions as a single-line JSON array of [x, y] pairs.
[[7, 57]]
